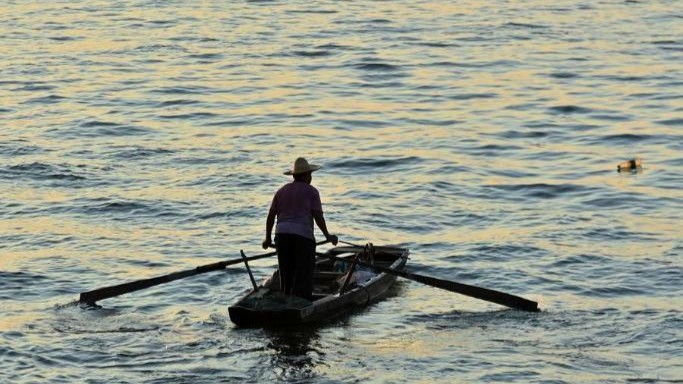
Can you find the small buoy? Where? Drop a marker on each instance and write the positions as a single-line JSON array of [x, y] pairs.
[[630, 165]]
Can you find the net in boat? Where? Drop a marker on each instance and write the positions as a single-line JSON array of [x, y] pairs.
[[274, 300]]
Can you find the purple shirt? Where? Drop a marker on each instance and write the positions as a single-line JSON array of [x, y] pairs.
[[294, 205]]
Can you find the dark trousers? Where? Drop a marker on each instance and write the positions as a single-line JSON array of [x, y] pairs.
[[296, 258]]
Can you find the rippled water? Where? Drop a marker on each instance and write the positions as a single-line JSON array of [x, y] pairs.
[[139, 138]]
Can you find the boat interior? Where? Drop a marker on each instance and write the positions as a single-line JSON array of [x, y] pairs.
[[332, 276]]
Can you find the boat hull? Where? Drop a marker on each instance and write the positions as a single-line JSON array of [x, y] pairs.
[[266, 307]]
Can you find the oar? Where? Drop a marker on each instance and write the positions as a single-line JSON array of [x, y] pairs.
[[491, 295], [91, 297]]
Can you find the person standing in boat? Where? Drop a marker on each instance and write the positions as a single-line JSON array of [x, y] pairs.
[[296, 205]]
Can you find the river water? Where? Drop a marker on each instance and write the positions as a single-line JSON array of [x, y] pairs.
[[141, 137]]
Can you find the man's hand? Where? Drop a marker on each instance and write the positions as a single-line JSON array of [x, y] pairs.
[[267, 243], [332, 239]]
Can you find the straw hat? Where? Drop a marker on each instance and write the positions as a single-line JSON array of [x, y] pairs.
[[302, 166]]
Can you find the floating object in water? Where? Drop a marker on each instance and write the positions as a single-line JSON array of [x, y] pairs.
[[632, 165]]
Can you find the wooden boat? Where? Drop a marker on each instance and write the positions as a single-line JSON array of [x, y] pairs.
[[340, 286]]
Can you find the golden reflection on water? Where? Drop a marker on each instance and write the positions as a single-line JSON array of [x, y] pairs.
[[88, 232], [16, 322], [116, 63], [414, 347]]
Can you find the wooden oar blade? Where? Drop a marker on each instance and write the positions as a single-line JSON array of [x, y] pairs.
[[491, 295], [93, 296]]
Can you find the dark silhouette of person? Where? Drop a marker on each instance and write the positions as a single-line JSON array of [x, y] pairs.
[[297, 205]]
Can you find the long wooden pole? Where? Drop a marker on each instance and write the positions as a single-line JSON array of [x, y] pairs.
[[491, 295], [91, 297]]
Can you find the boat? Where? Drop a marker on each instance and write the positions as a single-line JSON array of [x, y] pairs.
[[340, 285]]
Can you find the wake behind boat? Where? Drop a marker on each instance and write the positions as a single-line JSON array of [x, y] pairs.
[[341, 285]]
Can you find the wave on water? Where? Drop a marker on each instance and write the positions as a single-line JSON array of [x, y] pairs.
[[190, 116], [460, 319], [624, 139], [98, 129], [176, 102], [73, 328], [41, 171], [129, 209], [363, 165], [543, 132], [182, 90], [19, 279], [537, 191], [30, 242], [615, 277], [570, 109], [473, 96], [111, 208], [34, 86], [140, 153], [313, 11], [20, 286], [49, 99], [74, 319], [312, 53], [617, 200], [525, 25], [20, 148], [564, 75], [618, 233], [494, 64], [491, 150], [204, 58], [495, 252], [672, 123], [374, 66]]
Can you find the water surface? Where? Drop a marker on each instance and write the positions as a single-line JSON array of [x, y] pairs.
[[139, 138]]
